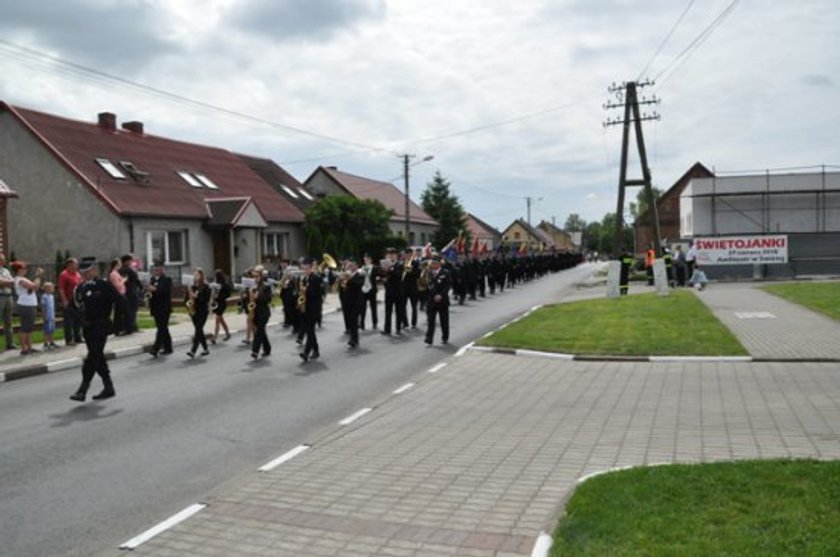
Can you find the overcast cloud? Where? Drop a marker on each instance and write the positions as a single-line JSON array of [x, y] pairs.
[[760, 92]]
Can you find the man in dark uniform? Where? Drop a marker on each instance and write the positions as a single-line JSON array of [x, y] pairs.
[[352, 284], [132, 293], [438, 303], [311, 285], [160, 306], [288, 295], [369, 289], [95, 297], [394, 303], [262, 311], [410, 276]]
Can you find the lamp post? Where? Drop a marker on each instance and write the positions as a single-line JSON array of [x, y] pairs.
[[406, 158]]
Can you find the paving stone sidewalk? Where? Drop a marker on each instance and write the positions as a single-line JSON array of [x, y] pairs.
[[477, 459], [770, 327]]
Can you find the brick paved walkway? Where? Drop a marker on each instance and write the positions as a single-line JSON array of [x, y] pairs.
[[477, 459], [771, 327]]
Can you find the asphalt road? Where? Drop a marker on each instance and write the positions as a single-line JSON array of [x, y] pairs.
[[78, 478]]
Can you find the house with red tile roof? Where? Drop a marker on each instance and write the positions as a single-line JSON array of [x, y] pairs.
[[486, 234], [520, 232], [328, 180], [562, 240], [94, 188]]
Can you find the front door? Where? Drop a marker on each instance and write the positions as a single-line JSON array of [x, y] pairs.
[[221, 250]]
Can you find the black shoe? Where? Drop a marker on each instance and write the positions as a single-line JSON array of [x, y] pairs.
[[352, 344], [227, 336], [78, 397], [315, 356], [428, 341], [205, 353], [266, 354], [254, 355], [445, 341], [246, 341], [191, 354], [299, 341], [154, 353], [106, 393], [385, 333], [213, 340], [166, 352], [304, 357]]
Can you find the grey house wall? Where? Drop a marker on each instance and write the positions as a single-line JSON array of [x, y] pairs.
[[55, 211], [199, 251]]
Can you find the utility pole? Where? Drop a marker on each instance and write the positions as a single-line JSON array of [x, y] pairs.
[[528, 201], [627, 96], [406, 158]]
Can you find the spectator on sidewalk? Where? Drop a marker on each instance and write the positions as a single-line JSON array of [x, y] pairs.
[[121, 303], [650, 258], [133, 287], [690, 259], [698, 278], [679, 266], [7, 282], [68, 280], [27, 304], [48, 312]]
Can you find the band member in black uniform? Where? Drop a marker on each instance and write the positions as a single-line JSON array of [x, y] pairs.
[[369, 291], [218, 303], [198, 306], [391, 273], [260, 297], [310, 298], [288, 296], [159, 292], [438, 303], [95, 298], [411, 272], [351, 283]]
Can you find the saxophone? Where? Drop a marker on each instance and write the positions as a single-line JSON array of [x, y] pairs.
[[301, 300], [252, 300], [192, 292], [423, 279]]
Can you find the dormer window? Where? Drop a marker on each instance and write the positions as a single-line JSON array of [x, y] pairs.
[[189, 178], [306, 194], [289, 190], [134, 172], [110, 168]]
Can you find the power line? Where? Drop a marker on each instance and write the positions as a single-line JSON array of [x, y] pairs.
[[665, 40], [20, 52], [695, 43]]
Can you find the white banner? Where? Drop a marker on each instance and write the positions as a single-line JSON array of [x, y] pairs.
[[742, 250]]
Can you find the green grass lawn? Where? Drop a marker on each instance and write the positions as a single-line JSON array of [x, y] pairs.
[[773, 507], [144, 321], [638, 325], [823, 297]]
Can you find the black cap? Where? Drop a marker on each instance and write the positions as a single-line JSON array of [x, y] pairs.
[[437, 258], [87, 263], [308, 261]]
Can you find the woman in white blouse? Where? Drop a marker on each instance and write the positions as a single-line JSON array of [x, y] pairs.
[[27, 304]]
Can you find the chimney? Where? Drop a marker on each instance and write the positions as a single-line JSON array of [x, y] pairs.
[[135, 127], [332, 168], [108, 121]]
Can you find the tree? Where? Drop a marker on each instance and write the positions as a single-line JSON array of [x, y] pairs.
[[574, 223], [606, 240], [346, 223], [640, 206], [445, 208], [592, 236]]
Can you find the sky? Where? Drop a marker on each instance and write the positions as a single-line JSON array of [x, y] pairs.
[[507, 96]]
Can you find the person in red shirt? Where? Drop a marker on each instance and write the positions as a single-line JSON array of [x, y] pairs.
[[68, 280]]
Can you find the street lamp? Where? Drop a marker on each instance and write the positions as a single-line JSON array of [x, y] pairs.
[[406, 158]]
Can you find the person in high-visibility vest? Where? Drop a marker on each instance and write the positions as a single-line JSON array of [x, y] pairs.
[[650, 257], [624, 276]]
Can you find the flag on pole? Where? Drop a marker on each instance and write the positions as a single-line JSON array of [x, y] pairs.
[[484, 249], [475, 246], [461, 242], [523, 249], [449, 251], [427, 251]]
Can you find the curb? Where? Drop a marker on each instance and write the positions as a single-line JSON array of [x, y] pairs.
[[657, 359]]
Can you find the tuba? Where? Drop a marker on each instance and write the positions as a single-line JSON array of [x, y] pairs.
[[215, 288], [423, 279], [301, 300], [407, 266], [327, 261]]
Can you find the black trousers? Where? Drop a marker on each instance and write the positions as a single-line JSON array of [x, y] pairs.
[[95, 363], [413, 299], [72, 325], [433, 310], [394, 304], [369, 300], [260, 341], [163, 340], [354, 310], [199, 319], [308, 326]]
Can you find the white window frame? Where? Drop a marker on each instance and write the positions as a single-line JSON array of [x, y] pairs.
[[110, 168], [306, 194], [280, 241], [206, 181], [189, 178], [166, 260], [290, 191]]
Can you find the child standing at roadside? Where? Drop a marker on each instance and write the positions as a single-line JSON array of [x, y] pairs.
[[48, 311]]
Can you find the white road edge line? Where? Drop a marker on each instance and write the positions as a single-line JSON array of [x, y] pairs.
[[487, 334], [463, 349], [285, 457], [403, 389], [542, 545], [353, 417], [63, 364], [437, 368], [163, 526]]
